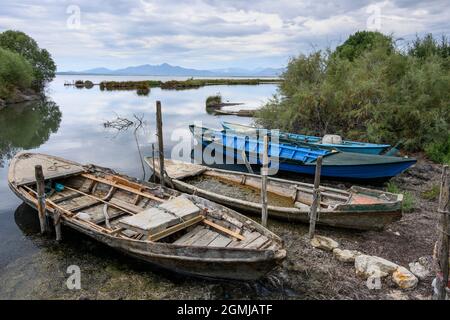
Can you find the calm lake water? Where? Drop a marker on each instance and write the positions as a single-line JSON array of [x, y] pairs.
[[70, 125]]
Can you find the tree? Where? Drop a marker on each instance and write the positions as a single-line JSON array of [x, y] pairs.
[[363, 41], [43, 65]]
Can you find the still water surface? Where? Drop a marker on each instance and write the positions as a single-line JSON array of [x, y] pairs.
[[70, 125]]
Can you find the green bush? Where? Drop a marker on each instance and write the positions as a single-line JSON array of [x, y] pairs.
[[370, 92], [439, 151], [43, 65], [213, 100], [15, 72]]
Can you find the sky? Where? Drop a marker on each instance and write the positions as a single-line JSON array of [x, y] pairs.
[[210, 34]]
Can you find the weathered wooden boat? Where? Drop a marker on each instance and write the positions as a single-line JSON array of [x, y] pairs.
[[302, 159], [356, 208], [184, 233], [326, 141], [239, 113]]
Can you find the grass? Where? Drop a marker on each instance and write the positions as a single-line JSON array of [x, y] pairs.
[[433, 193], [409, 203]]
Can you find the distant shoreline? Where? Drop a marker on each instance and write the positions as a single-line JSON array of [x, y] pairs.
[[166, 75]]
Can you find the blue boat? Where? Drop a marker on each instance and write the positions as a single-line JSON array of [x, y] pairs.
[[293, 138], [302, 159]]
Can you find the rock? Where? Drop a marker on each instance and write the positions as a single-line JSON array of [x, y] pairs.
[[404, 278], [25, 95], [346, 255], [419, 270], [324, 243], [367, 266]]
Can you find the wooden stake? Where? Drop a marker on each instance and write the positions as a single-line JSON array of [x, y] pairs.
[[153, 160], [57, 223], [264, 172], [160, 142], [443, 229], [316, 199], [40, 186]]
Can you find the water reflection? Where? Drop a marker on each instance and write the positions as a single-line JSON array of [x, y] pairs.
[[27, 126], [27, 220]]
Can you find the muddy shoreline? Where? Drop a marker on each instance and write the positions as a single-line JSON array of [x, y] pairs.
[[307, 273]]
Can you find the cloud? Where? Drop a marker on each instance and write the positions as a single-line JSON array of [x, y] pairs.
[[208, 33]]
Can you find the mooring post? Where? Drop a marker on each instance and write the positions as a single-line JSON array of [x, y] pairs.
[[264, 173], [40, 185], [443, 243], [316, 199], [153, 162], [57, 224], [160, 142]]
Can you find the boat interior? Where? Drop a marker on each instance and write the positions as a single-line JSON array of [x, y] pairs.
[[281, 193], [118, 207]]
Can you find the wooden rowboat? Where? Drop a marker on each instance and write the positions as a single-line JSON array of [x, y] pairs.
[[302, 159], [180, 232], [294, 138], [356, 208]]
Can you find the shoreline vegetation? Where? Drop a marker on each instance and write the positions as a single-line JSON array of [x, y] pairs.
[[145, 86], [25, 68], [369, 89]]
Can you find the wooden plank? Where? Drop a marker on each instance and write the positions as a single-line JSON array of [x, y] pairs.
[[248, 238], [80, 203], [195, 237], [126, 205], [150, 221], [94, 197], [63, 196], [125, 182], [220, 241], [119, 186], [206, 239], [175, 228], [51, 203], [188, 235], [181, 207], [257, 243], [224, 230]]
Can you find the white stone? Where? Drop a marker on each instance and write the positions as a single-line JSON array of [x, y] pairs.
[[404, 278], [419, 270], [324, 243], [367, 266], [346, 255]]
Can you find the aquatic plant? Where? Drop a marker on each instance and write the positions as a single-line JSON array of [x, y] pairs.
[[212, 101]]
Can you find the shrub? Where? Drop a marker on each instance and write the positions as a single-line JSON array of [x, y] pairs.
[[15, 72], [213, 100], [370, 93]]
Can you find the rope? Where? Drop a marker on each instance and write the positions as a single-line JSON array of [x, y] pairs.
[[55, 166]]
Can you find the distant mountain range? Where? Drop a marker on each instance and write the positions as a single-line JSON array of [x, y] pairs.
[[166, 69]]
